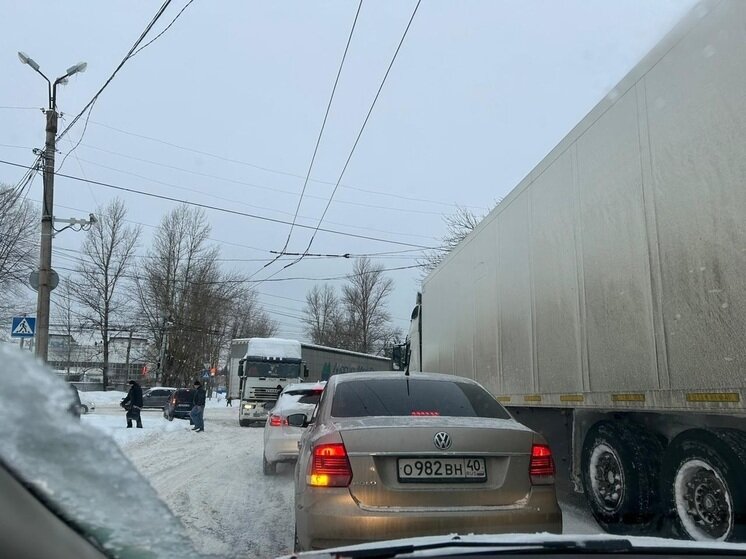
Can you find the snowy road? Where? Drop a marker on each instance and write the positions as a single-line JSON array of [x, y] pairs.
[[213, 481]]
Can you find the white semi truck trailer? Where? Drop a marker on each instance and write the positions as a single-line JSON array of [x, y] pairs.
[[603, 301]]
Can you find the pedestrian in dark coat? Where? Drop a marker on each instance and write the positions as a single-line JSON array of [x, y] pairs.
[[198, 409], [133, 404]]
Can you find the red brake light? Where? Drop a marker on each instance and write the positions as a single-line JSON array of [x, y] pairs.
[[277, 421], [424, 413], [541, 466], [330, 466]]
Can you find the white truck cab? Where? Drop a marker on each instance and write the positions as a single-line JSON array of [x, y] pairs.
[[269, 365]]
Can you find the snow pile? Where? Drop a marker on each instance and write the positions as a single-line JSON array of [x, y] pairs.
[[273, 347], [81, 473], [115, 426]]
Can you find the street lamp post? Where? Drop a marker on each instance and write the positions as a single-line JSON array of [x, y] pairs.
[[47, 217]]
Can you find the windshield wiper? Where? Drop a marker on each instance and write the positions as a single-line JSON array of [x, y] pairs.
[[592, 546], [486, 547]]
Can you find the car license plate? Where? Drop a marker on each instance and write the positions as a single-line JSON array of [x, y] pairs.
[[414, 470]]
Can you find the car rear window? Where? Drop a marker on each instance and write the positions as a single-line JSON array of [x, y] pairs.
[[302, 396], [184, 395], [416, 397]]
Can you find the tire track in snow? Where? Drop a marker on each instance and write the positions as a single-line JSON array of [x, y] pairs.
[[213, 482]]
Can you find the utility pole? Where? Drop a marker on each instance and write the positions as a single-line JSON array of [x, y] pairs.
[[45, 255], [47, 216]]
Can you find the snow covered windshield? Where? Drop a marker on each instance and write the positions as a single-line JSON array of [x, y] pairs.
[[272, 369], [80, 472]]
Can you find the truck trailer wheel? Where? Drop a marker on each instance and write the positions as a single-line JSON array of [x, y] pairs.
[[619, 466], [704, 487]]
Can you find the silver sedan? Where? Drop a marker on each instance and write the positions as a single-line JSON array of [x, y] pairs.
[[389, 455]]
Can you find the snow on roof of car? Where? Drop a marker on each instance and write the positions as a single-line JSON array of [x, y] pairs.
[[273, 347], [310, 386]]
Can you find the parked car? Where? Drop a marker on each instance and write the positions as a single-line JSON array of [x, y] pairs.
[[179, 404], [156, 397], [389, 455], [86, 405], [280, 438]]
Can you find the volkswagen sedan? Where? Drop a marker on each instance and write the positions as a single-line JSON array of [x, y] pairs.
[[389, 455]]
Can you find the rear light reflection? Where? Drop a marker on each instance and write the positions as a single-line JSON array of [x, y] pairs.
[[419, 413], [330, 466], [277, 421], [541, 465]]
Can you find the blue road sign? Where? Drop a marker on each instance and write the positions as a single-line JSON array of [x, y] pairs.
[[206, 374], [23, 327]]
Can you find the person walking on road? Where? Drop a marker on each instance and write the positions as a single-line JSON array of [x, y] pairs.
[[133, 404], [198, 409]]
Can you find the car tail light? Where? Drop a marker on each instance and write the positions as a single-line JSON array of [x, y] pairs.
[[330, 466], [419, 413], [541, 465], [277, 421]]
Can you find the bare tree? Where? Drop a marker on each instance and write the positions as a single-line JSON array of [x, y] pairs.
[[323, 317], [18, 246], [108, 251], [458, 226], [364, 300], [249, 319], [67, 318], [185, 286]]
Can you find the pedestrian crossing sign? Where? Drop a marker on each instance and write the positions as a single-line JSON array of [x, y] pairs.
[[23, 327]]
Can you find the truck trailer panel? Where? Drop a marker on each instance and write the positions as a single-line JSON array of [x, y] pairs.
[[616, 271]]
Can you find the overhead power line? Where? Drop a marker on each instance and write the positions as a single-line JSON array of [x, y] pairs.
[[359, 135], [217, 157], [274, 280], [321, 133], [11, 107], [133, 50], [219, 209], [275, 191]]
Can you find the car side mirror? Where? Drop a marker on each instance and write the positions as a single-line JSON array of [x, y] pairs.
[[240, 369], [298, 420], [305, 371]]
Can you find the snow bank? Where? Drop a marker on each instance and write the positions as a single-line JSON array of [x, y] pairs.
[[103, 398], [79, 471]]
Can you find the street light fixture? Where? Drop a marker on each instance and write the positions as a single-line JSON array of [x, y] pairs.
[[47, 218]]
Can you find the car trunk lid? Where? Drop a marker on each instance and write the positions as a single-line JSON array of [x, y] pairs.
[[437, 461]]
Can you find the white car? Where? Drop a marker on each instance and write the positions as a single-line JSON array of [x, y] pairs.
[[281, 439]]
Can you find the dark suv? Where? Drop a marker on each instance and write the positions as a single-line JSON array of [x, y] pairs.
[[179, 404], [157, 397]]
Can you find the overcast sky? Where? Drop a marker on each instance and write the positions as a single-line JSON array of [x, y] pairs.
[[480, 92]]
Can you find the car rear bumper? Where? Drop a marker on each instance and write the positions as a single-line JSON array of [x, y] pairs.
[[334, 519], [281, 448]]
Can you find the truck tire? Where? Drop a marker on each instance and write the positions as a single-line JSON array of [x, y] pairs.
[[244, 423], [704, 485], [268, 468], [620, 465]]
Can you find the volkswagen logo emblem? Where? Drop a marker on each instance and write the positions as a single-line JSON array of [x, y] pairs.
[[442, 440]]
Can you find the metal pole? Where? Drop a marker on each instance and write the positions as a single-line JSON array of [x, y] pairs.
[[45, 255]]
